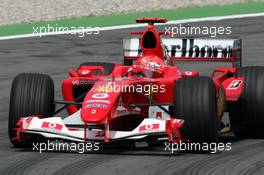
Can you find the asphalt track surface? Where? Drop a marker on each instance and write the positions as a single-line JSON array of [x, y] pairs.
[[54, 55]]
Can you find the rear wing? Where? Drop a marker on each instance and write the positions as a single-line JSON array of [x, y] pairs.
[[176, 49]]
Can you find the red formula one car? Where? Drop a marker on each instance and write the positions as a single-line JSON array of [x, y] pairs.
[[147, 97]]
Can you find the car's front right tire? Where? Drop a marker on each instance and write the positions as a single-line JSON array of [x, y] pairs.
[[196, 103]]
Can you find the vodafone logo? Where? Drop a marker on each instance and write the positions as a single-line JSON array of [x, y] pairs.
[[84, 72], [100, 95], [150, 127], [144, 61], [53, 126], [188, 72], [147, 127]]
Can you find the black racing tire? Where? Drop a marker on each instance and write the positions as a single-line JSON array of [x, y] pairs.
[[31, 94], [128, 62], [247, 114], [195, 103], [108, 67]]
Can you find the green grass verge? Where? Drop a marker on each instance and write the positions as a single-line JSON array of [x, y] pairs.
[[101, 21]]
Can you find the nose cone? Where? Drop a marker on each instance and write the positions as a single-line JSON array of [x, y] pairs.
[[98, 105]]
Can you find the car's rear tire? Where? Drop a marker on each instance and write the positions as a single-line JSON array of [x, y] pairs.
[[247, 114], [195, 103], [31, 94], [108, 67]]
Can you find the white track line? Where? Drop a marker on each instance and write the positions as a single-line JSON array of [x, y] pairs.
[[217, 18]]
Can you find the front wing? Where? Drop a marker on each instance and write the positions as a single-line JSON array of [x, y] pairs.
[[55, 128]]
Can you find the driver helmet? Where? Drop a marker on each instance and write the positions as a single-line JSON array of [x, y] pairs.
[[151, 66]]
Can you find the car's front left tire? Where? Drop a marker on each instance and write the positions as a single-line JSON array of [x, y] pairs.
[[31, 94]]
